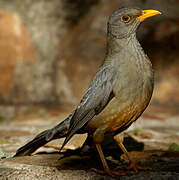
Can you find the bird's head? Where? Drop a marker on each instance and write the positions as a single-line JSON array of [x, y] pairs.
[[124, 22]]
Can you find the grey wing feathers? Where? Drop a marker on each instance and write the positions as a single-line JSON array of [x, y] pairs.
[[95, 99]]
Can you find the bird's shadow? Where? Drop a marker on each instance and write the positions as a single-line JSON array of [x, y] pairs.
[[87, 156]]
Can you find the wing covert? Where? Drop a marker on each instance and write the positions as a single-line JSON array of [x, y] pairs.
[[97, 96]]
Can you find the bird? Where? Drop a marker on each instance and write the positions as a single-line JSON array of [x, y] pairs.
[[118, 94]]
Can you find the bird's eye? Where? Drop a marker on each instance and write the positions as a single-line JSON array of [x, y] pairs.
[[125, 18]]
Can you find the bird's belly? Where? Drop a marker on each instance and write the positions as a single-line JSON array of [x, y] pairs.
[[121, 110], [112, 117]]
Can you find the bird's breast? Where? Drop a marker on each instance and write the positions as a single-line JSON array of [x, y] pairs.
[[133, 92]]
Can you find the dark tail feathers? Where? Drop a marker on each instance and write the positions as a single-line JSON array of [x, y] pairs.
[[44, 137]]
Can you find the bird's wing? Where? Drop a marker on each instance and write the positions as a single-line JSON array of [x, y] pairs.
[[97, 96]]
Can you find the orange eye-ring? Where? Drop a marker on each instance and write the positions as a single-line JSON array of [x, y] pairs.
[[125, 18]]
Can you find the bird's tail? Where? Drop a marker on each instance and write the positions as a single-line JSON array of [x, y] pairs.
[[59, 131]]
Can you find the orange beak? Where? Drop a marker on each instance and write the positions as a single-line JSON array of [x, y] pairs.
[[147, 14]]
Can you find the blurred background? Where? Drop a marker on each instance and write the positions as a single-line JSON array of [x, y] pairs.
[[50, 50]]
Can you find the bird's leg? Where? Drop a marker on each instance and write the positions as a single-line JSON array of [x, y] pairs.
[[118, 138], [105, 165], [97, 139], [106, 170]]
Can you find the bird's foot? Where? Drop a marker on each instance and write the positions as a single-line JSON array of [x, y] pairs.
[[136, 167], [111, 173]]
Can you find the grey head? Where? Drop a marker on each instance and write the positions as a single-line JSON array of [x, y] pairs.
[[124, 22]]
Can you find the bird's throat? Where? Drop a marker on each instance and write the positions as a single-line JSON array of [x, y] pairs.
[[116, 45], [126, 50]]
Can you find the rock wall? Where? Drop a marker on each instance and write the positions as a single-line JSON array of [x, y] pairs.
[[50, 50]]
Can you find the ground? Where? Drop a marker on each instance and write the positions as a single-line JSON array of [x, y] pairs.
[[157, 130]]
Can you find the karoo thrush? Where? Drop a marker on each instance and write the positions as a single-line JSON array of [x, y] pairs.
[[117, 96]]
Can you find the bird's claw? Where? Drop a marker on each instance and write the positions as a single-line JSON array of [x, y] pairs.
[[136, 167], [111, 173]]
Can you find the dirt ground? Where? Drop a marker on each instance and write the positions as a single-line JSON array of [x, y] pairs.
[[154, 137]]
